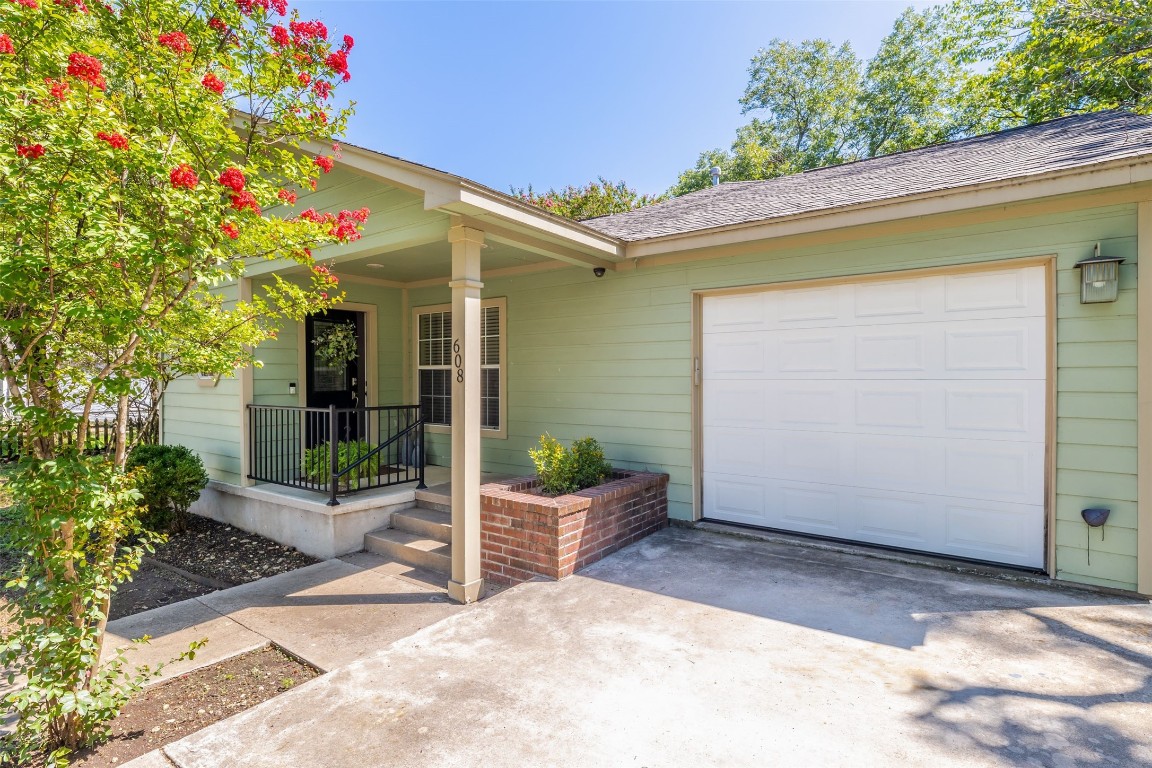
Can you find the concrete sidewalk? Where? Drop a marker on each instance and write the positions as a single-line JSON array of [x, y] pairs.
[[329, 614], [693, 648]]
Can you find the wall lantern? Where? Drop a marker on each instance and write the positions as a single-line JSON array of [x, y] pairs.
[[1099, 278]]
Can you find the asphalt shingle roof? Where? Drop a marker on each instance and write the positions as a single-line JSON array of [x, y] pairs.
[[1063, 144]]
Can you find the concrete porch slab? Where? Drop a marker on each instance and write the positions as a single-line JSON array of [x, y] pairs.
[[692, 648]]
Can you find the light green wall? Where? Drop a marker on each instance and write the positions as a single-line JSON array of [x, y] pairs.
[[207, 418], [611, 358]]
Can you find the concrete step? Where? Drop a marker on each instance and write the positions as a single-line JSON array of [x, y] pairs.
[[429, 523], [410, 548], [435, 500]]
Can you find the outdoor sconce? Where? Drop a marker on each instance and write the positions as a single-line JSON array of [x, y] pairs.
[[1099, 278], [1095, 517]]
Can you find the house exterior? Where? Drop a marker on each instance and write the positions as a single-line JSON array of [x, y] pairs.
[[893, 351]]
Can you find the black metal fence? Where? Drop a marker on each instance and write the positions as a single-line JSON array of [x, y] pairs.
[[100, 438], [336, 450]]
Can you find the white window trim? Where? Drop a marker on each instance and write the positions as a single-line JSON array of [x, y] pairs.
[[414, 356]]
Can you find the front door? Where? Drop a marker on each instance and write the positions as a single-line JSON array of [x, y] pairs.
[[328, 384]]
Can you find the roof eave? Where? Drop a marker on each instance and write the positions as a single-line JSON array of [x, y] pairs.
[[1070, 181], [453, 194]]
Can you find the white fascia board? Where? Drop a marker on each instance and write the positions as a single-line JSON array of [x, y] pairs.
[[1079, 180], [455, 194]]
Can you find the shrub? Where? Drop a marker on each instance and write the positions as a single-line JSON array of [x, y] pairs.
[[172, 479], [563, 471], [589, 467], [318, 462]]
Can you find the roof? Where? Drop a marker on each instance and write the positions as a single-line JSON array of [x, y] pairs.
[[1059, 145]]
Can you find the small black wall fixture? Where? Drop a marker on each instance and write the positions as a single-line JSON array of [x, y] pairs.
[[1095, 517], [1099, 278]]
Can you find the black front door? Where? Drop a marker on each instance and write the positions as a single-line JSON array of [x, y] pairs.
[[338, 385]]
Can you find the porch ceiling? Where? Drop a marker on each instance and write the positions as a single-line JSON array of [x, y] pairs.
[[433, 261]]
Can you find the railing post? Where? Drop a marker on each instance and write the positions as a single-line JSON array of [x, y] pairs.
[[334, 449], [420, 449]]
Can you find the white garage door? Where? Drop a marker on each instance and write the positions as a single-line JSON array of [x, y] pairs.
[[909, 413]]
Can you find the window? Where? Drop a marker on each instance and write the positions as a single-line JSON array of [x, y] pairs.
[[434, 364]]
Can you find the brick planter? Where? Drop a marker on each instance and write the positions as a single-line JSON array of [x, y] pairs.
[[523, 535]]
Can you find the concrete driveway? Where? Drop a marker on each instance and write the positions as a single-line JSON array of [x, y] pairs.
[[699, 649]]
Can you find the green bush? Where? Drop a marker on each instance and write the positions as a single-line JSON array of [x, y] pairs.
[[561, 470], [318, 462], [172, 479]]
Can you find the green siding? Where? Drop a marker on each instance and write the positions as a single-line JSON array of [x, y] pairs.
[[207, 419], [611, 358]]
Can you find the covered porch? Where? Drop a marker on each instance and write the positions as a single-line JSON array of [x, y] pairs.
[[426, 386]]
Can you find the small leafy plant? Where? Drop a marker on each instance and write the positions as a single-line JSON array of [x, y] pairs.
[[170, 482], [562, 470], [318, 462]]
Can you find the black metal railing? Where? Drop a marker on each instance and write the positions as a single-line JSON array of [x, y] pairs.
[[336, 450], [100, 437]]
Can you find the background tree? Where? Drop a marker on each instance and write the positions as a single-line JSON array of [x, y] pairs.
[[132, 192], [816, 104], [598, 198], [1044, 59]]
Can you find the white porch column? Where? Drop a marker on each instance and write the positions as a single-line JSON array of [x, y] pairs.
[[466, 580]]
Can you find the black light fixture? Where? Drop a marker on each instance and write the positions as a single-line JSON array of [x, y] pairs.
[[598, 271], [1099, 278]]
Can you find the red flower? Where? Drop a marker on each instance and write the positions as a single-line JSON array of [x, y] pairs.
[[212, 83], [305, 30], [322, 89], [321, 117], [280, 35], [30, 151], [348, 43], [320, 269], [338, 63], [115, 140], [233, 179], [304, 78], [324, 162], [230, 229], [86, 68], [28, 3], [287, 196], [77, 4], [183, 176], [280, 6], [57, 88], [175, 41], [217, 24], [6, 44], [245, 201]]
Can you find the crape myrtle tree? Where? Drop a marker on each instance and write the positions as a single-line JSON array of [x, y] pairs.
[[141, 144]]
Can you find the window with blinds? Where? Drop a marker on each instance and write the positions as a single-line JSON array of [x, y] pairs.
[[435, 366]]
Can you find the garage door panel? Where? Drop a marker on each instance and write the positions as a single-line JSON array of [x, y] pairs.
[[1009, 349], [736, 404], [897, 520], [813, 508], [1008, 472], [906, 412], [1004, 533]]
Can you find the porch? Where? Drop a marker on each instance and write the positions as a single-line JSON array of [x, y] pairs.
[[330, 448]]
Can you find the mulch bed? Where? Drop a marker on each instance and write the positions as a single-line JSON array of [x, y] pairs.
[[226, 554], [170, 711]]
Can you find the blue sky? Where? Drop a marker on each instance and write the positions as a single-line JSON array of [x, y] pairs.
[[553, 93]]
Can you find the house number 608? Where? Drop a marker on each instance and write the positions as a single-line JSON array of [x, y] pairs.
[[458, 360]]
